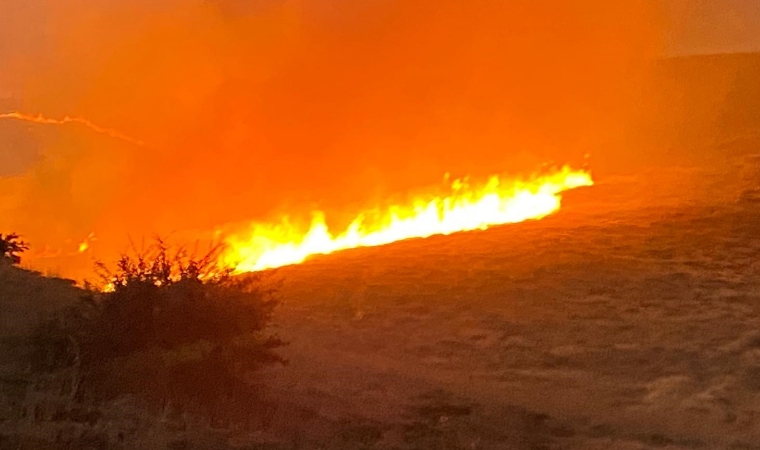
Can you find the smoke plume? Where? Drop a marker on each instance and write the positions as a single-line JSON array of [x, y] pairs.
[[251, 108]]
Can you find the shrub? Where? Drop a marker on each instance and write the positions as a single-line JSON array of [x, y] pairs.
[[11, 248], [171, 329]]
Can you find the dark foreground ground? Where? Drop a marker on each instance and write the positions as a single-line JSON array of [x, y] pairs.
[[630, 320]]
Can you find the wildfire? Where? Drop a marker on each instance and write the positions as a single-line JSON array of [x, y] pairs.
[[85, 245], [465, 208], [40, 119]]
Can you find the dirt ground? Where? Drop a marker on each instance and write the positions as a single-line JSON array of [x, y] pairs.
[[629, 320]]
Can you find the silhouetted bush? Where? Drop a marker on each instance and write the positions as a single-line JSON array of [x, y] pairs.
[[170, 329], [11, 248]]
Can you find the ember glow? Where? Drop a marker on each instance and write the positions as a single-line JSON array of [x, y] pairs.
[[85, 245], [466, 208], [42, 120]]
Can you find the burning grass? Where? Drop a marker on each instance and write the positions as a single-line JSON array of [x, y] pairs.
[[465, 207]]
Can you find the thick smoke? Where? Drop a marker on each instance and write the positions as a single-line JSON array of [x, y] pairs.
[[251, 108]]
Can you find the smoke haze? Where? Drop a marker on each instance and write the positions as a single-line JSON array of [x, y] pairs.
[[249, 109]]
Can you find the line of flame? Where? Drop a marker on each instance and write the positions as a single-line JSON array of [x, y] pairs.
[[497, 202]]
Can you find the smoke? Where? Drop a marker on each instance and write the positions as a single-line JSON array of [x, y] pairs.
[[250, 108]]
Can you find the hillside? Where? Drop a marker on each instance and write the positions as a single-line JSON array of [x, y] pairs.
[[691, 110], [630, 319], [27, 296], [626, 326]]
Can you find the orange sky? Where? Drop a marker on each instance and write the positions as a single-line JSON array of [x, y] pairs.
[[247, 112]]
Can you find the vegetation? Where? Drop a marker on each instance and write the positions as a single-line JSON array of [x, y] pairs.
[[11, 248], [171, 329]]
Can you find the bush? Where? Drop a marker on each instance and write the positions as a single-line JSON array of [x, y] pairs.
[[11, 248], [170, 329]]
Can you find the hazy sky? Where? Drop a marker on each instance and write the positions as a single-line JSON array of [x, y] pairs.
[[713, 26], [695, 27]]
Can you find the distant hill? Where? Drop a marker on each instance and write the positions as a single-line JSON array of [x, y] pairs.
[[712, 94], [694, 109]]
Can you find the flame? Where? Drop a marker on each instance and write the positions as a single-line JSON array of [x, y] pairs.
[[466, 208], [40, 119], [85, 245]]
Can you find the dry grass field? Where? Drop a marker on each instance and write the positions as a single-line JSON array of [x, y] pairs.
[[629, 320]]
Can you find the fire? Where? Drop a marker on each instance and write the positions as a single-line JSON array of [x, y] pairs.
[[465, 208], [40, 119], [85, 245]]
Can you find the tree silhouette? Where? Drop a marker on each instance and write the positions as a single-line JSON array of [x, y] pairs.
[[11, 247]]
